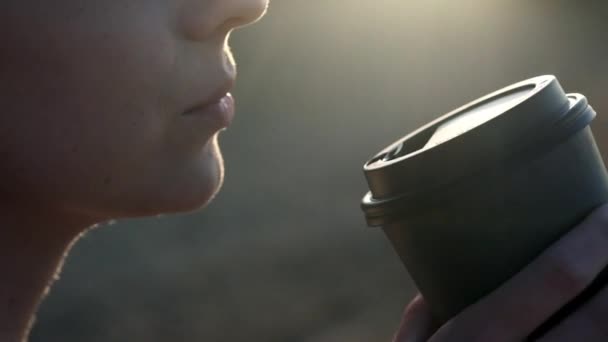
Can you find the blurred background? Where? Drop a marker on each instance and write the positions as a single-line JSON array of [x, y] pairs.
[[283, 253]]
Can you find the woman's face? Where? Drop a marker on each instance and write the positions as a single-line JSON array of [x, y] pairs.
[[96, 102]]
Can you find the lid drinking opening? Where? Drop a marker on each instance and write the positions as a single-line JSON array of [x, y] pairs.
[[403, 148]]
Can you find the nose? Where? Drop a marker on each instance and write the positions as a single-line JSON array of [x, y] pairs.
[[200, 19]]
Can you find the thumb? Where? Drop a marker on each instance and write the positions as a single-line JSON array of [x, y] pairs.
[[417, 324]]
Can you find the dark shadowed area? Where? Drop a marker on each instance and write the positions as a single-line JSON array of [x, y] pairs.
[[283, 253]]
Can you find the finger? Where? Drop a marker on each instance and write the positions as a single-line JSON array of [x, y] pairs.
[[417, 323], [589, 323], [559, 274]]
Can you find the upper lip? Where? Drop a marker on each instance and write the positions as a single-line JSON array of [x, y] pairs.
[[220, 92]]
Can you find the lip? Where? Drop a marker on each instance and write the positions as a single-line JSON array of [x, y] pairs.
[[221, 112], [219, 107]]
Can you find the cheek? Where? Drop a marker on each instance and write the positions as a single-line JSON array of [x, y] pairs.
[[85, 117], [84, 96]]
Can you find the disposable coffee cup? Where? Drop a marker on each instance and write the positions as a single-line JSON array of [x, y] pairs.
[[471, 198]]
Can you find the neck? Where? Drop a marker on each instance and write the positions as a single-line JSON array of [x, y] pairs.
[[33, 246]]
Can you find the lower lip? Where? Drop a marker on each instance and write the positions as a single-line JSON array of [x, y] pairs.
[[221, 113]]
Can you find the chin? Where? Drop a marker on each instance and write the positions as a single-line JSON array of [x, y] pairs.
[[197, 186], [189, 187]]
